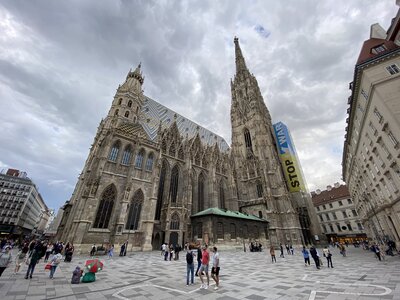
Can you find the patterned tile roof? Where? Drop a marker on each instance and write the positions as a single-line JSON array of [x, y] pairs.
[[155, 112], [227, 213]]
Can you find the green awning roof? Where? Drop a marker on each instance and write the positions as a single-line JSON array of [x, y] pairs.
[[227, 213]]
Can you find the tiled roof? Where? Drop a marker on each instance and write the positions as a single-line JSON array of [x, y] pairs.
[[335, 194], [156, 112], [227, 213], [366, 50]]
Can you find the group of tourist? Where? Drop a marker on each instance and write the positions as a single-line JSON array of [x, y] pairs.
[[171, 251]]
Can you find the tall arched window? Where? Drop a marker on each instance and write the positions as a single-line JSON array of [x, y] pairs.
[[127, 114], [130, 103], [139, 159], [174, 224], [163, 147], [197, 159], [200, 191], [172, 149], [259, 190], [149, 162], [135, 210], [105, 207], [116, 112], [160, 194], [247, 139], [220, 230], [119, 101], [221, 195], [204, 161], [126, 156], [114, 151], [181, 154], [173, 188]]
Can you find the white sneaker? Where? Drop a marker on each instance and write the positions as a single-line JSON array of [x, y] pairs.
[[216, 288], [202, 286], [206, 286]]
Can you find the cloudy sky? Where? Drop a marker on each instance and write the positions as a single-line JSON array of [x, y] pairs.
[[61, 62]]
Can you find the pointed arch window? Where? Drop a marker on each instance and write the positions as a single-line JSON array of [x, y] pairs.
[[126, 156], [204, 162], [114, 152], [218, 167], [200, 192], [197, 159], [175, 222], [259, 190], [181, 154], [130, 103], [139, 159], [163, 147], [135, 210], [173, 190], [127, 114], [104, 210], [247, 140], [160, 194], [119, 101], [116, 112], [221, 195], [172, 149], [149, 162]]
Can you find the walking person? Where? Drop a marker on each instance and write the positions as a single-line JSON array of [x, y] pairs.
[[32, 260], [378, 252], [5, 259], [315, 255], [291, 249], [111, 252], [49, 249], [199, 256], [327, 253], [69, 250], [19, 260], [215, 268], [171, 251], [306, 256], [272, 252], [205, 260], [122, 251], [54, 262], [189, 266], [281, 247], [93, 250]]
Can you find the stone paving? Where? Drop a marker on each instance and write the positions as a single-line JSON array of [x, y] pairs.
[[243, 276]]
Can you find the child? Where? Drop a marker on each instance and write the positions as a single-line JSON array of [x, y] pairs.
[[111, 251]]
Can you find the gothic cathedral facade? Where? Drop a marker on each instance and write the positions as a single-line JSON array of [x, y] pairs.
[[151, 173]]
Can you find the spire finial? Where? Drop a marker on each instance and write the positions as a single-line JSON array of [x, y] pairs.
[[239, 59]]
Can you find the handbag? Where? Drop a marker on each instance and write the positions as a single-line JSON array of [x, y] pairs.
[[47, 267]]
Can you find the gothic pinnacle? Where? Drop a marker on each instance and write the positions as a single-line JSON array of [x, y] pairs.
[[239, 59]]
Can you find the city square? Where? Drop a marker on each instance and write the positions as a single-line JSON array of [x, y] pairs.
[[244, 275]]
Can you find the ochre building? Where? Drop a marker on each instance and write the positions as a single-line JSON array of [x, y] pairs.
[[154, 176]]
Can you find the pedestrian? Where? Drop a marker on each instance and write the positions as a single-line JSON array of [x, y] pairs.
[[272, 252], [378, 252], [126, 247], [93, 250], [287, 248], [291, 249], [111, 252], [281, 247], [171, 251], [328, 255], [32, 260], [49, 249], [122, 251], [199, 256], [69, 250], [163, 248], [76, 275], [19, 260], [5, 259], [54, 262], [166, 252], [315, 255], [205, 259], [306, 256], [215, 268], [189, 266], [342, 250]]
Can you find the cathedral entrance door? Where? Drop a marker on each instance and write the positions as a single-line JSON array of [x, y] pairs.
[[173, 238], [156, 242]]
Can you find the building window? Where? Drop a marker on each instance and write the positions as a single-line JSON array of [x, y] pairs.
[[139, 159], [247, 140], [129, 103], [135, 211], [324, 206], [220, 230], [127, 114], [104, 210], [175, 224], [221, 195], [334, 215], [330, 205], [181, 154], [126, 156], [173, 189], [378, 115], [331, 228], [349, 227], [318, 209], [354, 213], [324, 228], [338, 227], [259, 190], [378, 49], [349, 201], [344, 214], [116, 112], [260, 214], [114, 152], [365, 95], [199, 230], [149, 162], [172, 149], [200, 191], [360, 227], [245, 232], [393, 69], [320, 217], [340, 203], [393, 139], [233, 231], [163, 147], [160, 194], [327, 217], [119, 101]]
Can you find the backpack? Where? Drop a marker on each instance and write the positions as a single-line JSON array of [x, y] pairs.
[[189, 258]]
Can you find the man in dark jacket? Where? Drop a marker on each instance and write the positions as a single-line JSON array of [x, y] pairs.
[[199, 257], [315, 255]]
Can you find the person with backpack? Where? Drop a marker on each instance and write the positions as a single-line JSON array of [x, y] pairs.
[[199, 256], [54, 262], [306, 256], [189, 266]]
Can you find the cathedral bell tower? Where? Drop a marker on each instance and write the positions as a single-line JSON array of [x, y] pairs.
[[261, 187], [128, 100]]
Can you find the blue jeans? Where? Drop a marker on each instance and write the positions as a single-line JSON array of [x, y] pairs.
[[189, 269], [30, 270], [52, 271], [198, 266]]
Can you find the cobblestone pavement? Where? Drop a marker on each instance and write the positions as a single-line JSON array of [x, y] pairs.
[[243, 276]]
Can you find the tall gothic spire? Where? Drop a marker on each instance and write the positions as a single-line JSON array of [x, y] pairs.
[[239, 59]]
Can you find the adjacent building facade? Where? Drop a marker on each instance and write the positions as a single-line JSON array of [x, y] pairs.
[[22, 209], [337, 215], [154, 176], [371, 155]]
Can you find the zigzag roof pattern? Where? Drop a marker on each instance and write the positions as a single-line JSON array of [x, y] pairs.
[[155, 112]]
